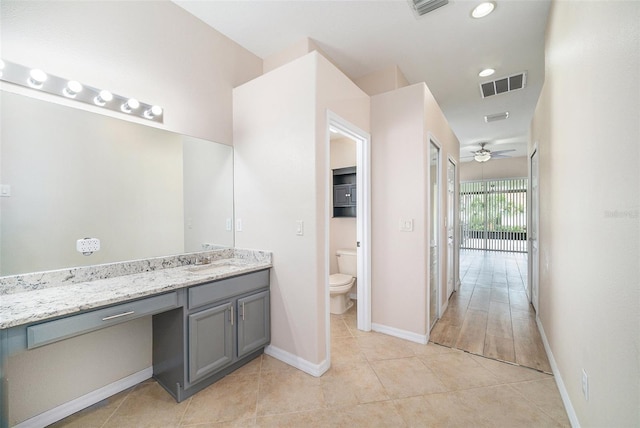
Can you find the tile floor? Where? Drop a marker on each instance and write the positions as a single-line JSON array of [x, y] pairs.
[[375, 381], [491, 315]]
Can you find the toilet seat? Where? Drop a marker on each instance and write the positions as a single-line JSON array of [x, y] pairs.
[[339, 279]]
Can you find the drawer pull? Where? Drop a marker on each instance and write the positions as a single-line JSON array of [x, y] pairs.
[[232, 315], [242, 311], [124, 314]]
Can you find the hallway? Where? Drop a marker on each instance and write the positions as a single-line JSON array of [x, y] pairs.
[[490, 315]]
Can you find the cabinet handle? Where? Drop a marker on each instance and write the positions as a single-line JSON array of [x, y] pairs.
[[124, 314], [231, 315], [242, 311]]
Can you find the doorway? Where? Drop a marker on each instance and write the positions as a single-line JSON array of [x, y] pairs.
[[434, 232], [342, 129]]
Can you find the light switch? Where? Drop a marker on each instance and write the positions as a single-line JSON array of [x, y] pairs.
[[229, 226], [406, 225], [5, 190], [238, 225], [299, 227]]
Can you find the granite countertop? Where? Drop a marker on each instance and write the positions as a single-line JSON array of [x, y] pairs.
[[34, 303]]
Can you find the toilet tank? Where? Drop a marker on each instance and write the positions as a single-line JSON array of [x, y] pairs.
[[347, 263]]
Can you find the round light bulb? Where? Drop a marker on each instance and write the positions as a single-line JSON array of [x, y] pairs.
[[37, 77], [130, 105], [73, 88], [483, 9], [103, 97], [153, 112], [486, 72]]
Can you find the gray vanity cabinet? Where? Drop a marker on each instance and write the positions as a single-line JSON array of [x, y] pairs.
[[253, 322], [210, 341], [221, 326]]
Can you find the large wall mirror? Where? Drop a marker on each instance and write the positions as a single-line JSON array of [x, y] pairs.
[[68, 174]]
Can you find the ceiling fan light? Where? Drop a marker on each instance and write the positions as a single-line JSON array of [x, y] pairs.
[[482, 157]]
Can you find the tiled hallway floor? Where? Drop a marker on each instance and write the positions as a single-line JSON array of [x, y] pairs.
[[375, 381], [491, 315]]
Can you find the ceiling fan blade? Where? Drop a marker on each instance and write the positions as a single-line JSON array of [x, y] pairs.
[[499, 156], [499, 152]]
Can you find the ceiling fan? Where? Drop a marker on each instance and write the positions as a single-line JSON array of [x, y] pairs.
[[484, 154]]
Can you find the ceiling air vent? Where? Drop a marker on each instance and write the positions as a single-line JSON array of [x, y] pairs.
[[504, 84], [495, 117], [422, 7]]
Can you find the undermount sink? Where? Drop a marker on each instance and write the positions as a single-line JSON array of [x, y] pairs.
[[213, 266]]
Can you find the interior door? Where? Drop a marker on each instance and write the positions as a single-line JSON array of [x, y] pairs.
[[451, 217], [434, 256], [534, 255]]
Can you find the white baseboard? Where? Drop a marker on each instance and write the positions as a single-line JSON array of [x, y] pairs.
[[571, 413], [316, 370], [73, 406], [401, 334]]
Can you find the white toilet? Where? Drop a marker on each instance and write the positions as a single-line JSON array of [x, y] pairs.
[[340, 283]]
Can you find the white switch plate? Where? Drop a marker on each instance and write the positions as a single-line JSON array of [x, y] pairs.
[[299, 227], [5, 190], [406, 225], [229, 225], [87, 246], [238, 225]]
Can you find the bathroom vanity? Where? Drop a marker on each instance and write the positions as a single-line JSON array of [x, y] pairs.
[[208, 319]]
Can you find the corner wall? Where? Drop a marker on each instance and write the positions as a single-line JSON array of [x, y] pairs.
[[588, 138], [281, 174], [402, 121]]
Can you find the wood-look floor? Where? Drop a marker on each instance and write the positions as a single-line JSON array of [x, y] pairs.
[[491, 315]]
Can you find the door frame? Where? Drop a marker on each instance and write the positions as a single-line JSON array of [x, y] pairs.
[[456, 222], [533, 281], [439, 310], [363, 219]]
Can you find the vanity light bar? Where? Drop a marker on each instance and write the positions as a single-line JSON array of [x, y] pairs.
[[71, 89]]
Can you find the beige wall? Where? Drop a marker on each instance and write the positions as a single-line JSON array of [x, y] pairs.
[[281, 175], [142, 53], [387, 79], [49, 376], [293, 52], [437, 126], [402, 121], [343, 229], [495, 168], [587, 135]]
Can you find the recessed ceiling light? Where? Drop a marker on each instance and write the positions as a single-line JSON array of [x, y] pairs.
[[483, 9], [486, 72]]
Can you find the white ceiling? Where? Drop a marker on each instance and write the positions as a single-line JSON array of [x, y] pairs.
[[445, 48]]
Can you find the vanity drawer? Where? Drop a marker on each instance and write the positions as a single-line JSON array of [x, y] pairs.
[[211, 292], [63, 328]]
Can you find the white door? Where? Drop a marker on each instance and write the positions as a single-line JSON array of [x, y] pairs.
[[534, 256], [434, 256], [451, 220]]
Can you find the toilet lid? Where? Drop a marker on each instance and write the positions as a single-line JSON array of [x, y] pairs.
[[338, 279]]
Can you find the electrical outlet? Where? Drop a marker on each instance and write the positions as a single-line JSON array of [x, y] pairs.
[[585, 385], [238, 225], [229, 225], [87, 246]]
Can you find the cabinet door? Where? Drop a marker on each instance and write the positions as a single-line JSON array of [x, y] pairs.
[[341, 195], [352, 195], [210, 341], [254, 328]]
